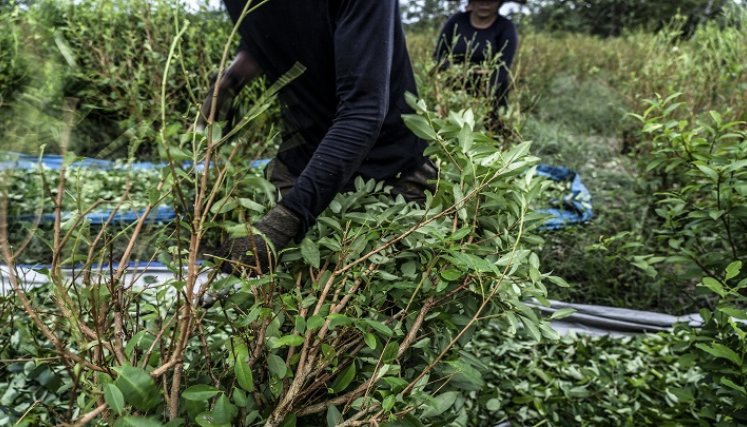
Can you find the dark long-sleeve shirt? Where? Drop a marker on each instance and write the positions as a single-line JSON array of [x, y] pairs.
[[464, 42], [343, 114]]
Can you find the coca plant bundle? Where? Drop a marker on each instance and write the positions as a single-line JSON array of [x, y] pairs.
[[361, 323]]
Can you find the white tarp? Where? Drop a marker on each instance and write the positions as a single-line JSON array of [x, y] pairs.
[[587, 320]]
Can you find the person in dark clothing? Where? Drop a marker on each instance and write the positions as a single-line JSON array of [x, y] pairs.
[[476, 36], [342, 114]]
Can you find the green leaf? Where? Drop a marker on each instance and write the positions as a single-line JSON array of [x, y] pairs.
[[370, 340], [389, 402], [714, 285], [558, 281], [137, 387], [289, 421], [721, 351], [380, 327], [531, 328], [440, 404], [733, 270], [210, 419], [300, 324], [277, 365], [244, 375], [404, 421], [493, 405], [200, 393], [251, 205], [131, 421], [224, 205], [731, 384], [241, 369], [343, 380], [709, 172], [420, 127], [734, 312], [562, 313], [224, 411], [310, 252], [240, 398], [334, 417], [337, 319], [390, 352], [451, 275], [114, 398], [287, 341], [465, 138], [314, 322]]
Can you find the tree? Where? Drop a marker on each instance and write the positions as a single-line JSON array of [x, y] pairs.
[[425, 13], [609, 18]]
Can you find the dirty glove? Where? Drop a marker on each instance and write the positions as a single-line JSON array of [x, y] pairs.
[[252, 255], [228, 90]]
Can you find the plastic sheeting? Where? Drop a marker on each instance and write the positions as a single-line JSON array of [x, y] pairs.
[[140, 275], [159, 215], [574, 208], [13, 160], [587, 319], [612, 321]]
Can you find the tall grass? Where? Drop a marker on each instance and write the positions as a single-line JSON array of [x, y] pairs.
[[708, 67]]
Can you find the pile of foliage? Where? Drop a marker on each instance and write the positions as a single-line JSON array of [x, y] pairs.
[[364, 320], [92, 189], [584, 380]]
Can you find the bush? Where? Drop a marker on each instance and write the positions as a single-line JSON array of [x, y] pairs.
[[698, 170], [105, 62]]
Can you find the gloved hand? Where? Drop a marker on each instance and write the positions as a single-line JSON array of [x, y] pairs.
[[228, 90], [252, 255]]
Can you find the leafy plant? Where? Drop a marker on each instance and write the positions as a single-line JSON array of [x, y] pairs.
[[363, 320], [699, 171], [720, 348]]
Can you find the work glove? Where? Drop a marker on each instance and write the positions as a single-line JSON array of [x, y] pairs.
[[252, 255], [224, 101]]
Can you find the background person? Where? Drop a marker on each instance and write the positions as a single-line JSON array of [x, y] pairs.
[[476, 36]]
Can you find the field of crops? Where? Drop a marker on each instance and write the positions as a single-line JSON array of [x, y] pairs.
[[386, 313]]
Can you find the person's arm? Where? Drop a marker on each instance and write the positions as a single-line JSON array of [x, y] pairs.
[[242, 70], [363, 52]]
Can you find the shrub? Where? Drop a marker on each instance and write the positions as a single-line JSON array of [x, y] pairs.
[[699, 170]]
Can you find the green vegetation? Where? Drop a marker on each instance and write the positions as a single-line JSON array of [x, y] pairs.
[[385, 312]]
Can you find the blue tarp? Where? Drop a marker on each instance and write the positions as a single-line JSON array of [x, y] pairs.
[[13, 160], [574, 208], [158, 215]]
